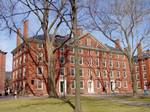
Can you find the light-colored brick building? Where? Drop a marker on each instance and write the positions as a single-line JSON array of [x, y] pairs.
[[103, 69]]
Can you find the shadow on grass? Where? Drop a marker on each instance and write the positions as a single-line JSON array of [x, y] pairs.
[[36, 103]]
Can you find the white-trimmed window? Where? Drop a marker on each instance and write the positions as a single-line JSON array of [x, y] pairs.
[[40, 57], [98, 84], [137, 68], [81, 72], [97, 72], [125, 84], [97, 62], [124, 65], [111, 74], [72, 71], [137, 76], [81, 84], [144, 75], [80, 60], [72, 50], [72, 59], [118, 64], [90, 61], [39, 84], [105, 84], [118, 84], [105, 73], [20, 61], [89, 72], [40, 70], [111, 64], [138, 85], [144, 68], [124, 74], [104, 63], [118, 74], [73, 84], [62, 71], [80, 51], [62, 59]]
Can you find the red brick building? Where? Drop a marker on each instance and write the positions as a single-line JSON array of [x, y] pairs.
[[2, 71], [142, 68], [103, 69]]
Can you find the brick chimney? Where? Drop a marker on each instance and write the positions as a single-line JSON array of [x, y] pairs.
[[139, 50], [18, 37], [25, 33], [117, 43]]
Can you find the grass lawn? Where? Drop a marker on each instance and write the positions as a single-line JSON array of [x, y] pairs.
[[53, 105]]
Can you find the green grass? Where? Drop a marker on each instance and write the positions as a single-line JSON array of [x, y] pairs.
[[54, 105]]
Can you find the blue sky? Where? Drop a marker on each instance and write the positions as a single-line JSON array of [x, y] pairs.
[[8, 42]]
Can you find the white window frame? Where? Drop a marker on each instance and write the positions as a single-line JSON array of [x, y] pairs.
[[82, 72], [41, 85], [83, 84], [73, 82], [72, 59], [81, 60], [125, 83], [63, 68], [97, 73], [98, 83], [111, 74], [73, 72], [41, 70], [105, 72], [97, 62]]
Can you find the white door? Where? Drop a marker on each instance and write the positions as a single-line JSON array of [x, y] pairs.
[[90, 86], [112, 85], [62, 87]]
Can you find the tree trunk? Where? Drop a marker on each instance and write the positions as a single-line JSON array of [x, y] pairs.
[[49, 51], [133, 78], [77, 76]]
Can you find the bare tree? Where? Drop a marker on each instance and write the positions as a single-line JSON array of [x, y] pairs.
[[75, 38], [125, 20]]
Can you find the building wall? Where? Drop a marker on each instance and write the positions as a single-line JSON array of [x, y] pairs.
[[2, 71], [94, 57], [142, 71]]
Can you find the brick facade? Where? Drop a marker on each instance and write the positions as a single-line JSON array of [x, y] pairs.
[[2, 71], [103, 69], [142, 68]]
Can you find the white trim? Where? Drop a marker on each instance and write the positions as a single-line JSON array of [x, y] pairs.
[[41, 85], [91, 88], [65, 86]]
